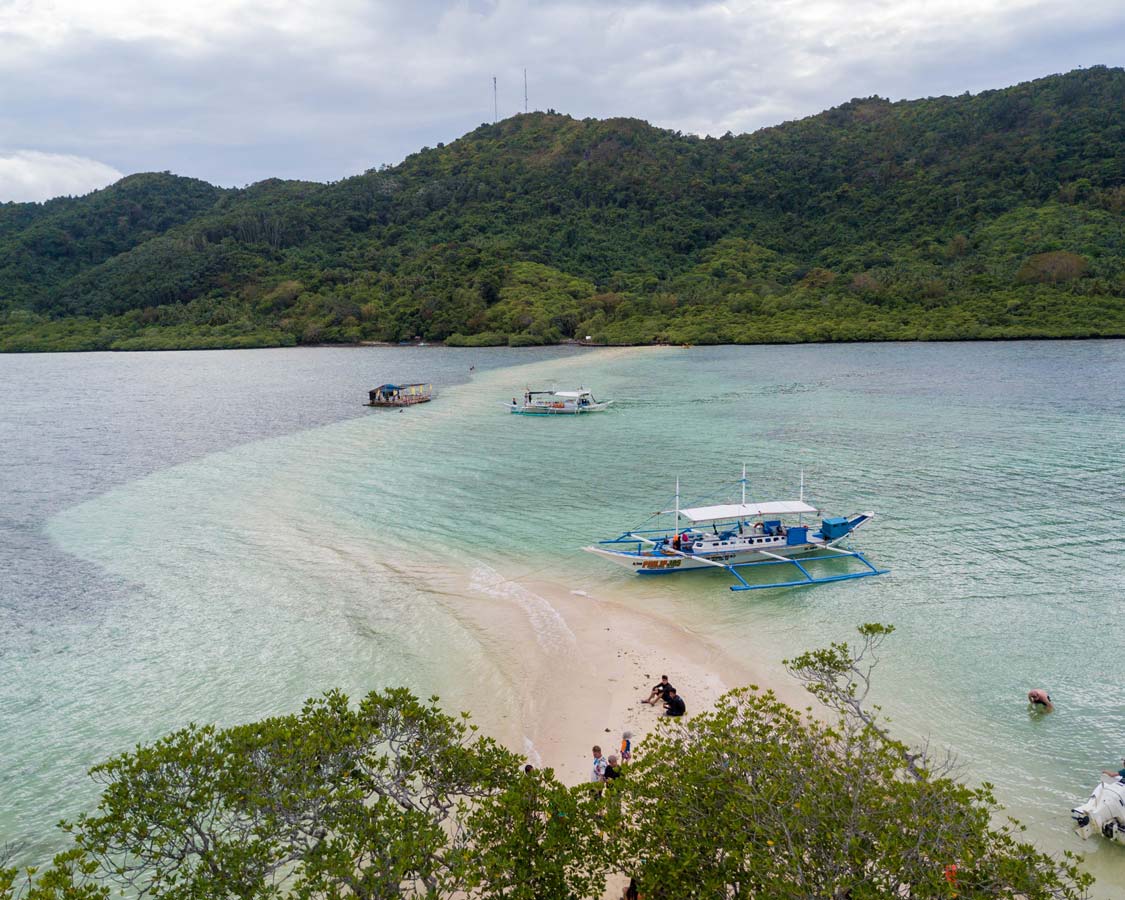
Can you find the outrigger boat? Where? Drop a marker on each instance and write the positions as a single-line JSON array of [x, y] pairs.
[[743, 535], [557, 403]]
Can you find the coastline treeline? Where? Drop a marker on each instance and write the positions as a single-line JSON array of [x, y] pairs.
[[392, 797], [999, 215]]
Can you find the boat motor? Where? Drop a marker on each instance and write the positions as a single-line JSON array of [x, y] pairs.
[[1104, 812]]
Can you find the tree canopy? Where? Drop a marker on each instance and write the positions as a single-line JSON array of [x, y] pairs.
[[394, 798], [998, 215]]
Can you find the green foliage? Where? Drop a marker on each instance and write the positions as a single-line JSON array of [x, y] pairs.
[[482, 339], [390, 798], [995, 216], [339, 800], [42, 245], [1052, 268], [538, 839], [71, 876], [394, 798], [755, 800]]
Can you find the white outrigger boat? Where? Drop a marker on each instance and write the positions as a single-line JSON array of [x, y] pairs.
[[735, 536], [557, 403]]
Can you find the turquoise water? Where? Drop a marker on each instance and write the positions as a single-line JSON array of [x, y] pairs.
[[262, 561]]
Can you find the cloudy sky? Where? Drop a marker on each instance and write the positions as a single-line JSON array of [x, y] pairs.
[[234, 91]]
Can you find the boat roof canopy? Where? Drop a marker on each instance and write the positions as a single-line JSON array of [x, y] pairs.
[[747, 510], [574, 394]]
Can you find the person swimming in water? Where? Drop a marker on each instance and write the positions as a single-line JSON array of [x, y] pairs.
[[1040, 698]]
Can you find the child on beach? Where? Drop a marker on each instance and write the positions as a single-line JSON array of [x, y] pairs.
[[626, 746]]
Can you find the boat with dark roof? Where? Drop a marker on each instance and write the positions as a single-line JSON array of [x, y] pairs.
[[400, 394]]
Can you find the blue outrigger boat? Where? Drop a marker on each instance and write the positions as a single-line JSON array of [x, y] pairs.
[[745, 535]]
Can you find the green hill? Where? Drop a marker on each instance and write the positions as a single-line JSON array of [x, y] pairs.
[[1000, 215]]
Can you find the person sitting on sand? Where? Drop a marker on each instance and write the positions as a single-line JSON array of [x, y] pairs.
[[659, 691], [1039, 697], [675, 704]]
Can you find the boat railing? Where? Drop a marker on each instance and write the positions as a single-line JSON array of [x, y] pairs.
[[631, 537]]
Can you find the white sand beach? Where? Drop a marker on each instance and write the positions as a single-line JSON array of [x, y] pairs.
[[583, 662]]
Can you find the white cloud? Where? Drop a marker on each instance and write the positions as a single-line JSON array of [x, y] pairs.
[[31, 175]]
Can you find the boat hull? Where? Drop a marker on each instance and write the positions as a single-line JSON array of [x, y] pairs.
[[650, 562], [556, 411], [408, 401]]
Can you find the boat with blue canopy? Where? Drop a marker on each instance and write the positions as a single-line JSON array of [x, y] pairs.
[[738, 537], [400, 394]]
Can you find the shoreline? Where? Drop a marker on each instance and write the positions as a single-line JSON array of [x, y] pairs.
[[200, 348], [581, 661]]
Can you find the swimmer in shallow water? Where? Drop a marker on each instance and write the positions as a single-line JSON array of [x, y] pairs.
[[1040, 699]]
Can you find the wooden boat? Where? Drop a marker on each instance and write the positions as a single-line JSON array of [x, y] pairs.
[[400, 394], [557, 403], [742, 535]]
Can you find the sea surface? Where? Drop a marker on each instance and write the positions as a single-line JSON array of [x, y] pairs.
[[216, 536]]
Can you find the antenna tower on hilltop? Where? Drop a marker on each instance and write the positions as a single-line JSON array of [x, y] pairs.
[[495, 109], [525, 91]]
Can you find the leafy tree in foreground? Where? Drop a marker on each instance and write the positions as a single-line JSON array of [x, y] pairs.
[[70, 877], [330, 802], [755, 799], [390, 798], [394, 798], [539, 839]]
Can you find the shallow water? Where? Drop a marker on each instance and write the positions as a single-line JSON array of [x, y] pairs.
[[281, 540]]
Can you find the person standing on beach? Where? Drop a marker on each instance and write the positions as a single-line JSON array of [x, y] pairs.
[[675, 705], [626, 746], [597, 774], [611, 769]]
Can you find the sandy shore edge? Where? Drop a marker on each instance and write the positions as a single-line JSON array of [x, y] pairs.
[[623, 653], [579, 663]]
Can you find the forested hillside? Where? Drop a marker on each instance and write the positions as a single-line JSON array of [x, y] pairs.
[[999, 215]]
